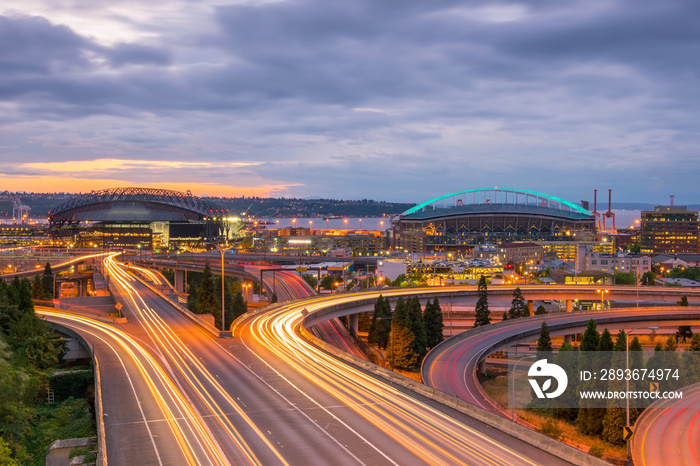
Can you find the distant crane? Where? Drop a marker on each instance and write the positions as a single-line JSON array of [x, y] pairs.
[[609, 214], [19, 210]]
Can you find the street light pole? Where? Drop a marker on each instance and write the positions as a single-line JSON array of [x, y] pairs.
[[512, 400], [223, 281], [627, 399], [602, 296]]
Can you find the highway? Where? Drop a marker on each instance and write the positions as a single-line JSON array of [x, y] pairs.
[[269, 397]]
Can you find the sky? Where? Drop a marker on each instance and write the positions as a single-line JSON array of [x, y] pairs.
[[397, 100]]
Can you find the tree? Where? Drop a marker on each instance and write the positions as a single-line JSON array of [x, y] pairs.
[[684, 301], [625, 278], [420, 339], [207, 302], [47, 282], [591, 337], [434, 326], [482, 305], [695, 343], [400, 350], [380, 327], [310, 279], [239, 307], [684, 332], [587, 419], [648, 279], [400, 280], [544, 343], [518, 308], [327, 282], [274, 298], [540, 310], [671, 343], [363, 322], [38, 289]]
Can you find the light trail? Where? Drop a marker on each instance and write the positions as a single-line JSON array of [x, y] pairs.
[[426, 432], [185, 424], [190, 369]]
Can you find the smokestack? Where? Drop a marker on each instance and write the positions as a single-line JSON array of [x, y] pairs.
[[672, 196]]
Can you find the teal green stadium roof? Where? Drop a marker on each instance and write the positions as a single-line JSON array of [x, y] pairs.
[[561, 202]]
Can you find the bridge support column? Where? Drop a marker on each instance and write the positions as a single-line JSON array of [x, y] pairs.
[[569, 305], [530, 306], [353, 324], [482, 367], [567, 339], [180, 281]]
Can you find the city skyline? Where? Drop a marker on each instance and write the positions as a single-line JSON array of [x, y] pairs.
[[399, 102]]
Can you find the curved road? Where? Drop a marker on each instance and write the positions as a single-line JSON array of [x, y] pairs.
[[451, 366], [668, 432]]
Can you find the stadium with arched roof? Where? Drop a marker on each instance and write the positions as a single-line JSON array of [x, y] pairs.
[[142, 218], [134, 205], [477, 216]]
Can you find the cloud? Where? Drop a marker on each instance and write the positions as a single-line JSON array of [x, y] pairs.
[[357, 98]]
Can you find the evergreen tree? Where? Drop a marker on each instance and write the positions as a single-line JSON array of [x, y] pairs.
[[671, 343], [518, 308], [587, 417], [540, 310], [614, 418], [38, 289], [544, 343], [684, 301], [482, 305], [207, 302], [434, 326], [417, 328], [239, 307], [603, 358], [274, 298], [695, 342], [402, 348], [363, 322], [380, 327], [591, 337], [684, 332], [620, 341], [692, 359], [48, 282], [400, 351], [564, 404], [505, 316], [401, 318]]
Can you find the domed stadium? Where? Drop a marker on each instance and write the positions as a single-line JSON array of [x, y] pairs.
[[455, 221], [141, 218]]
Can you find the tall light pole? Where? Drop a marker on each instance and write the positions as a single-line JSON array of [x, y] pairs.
[[602, 297], [627, 399], [222, 249], [512, 400]]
